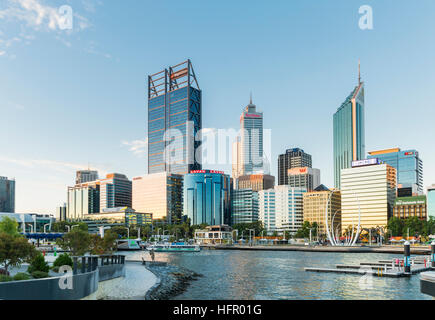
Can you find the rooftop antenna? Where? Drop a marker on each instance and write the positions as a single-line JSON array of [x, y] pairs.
[[359, 71], [250, 101]]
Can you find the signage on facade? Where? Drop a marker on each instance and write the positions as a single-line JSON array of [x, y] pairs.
[[207, 171], [366, 162]]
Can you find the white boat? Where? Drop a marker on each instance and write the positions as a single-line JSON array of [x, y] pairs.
[[174, 247], [128, 244]]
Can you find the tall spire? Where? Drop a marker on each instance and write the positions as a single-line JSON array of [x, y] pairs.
[[359, 71], [250, 100]]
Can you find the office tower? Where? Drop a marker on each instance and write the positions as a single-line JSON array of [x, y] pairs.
[[207, 197], [293, 158], [409, 168], [61, 213], [371, 186], [407, 207], [174, 120], [256, 182], [7, 195], [160, 194], [431, 202], [248, 158], [83, 199], [349, 133], [237, 159], [83, 176], [281, 208], [315, 205], [244, 206], [305, 177], [115, 191]]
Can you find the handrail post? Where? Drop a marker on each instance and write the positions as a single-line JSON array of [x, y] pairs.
[[94, 263], [83, 265], [89, 264], [75, 265]]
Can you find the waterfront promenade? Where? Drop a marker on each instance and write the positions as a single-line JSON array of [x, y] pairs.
[[417, 250]]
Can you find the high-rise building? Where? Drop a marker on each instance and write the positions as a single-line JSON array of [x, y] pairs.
[[83, 176], [431, 202], [256, 182], [349, 133], [174, 120], [293, 158], [160, 194], [115, 191], [83, 199], [315, 206], [94, 196], [207, 197], [244, 206], [407, 207], [305, 177], [7, 195], [248, 158], [251, 125], [61, 213], [409, 168], [237, 159], [281, 208], [371, 187]]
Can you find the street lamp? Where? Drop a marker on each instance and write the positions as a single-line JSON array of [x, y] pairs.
[[128, 232], [250, 236], [45, 225]]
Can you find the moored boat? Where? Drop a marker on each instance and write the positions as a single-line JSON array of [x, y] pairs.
[[174, 247]]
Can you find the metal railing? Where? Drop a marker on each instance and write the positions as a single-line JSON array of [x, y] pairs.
[[91, 263]]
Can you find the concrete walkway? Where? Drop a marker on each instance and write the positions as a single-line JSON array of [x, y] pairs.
[[137, 281]]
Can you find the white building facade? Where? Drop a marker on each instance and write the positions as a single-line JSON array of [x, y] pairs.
[[281, 208], [372, 188]]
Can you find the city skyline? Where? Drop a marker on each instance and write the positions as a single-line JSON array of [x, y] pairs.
[[95, 110]]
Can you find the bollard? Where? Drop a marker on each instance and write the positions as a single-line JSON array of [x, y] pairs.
[[432, 251], [83, 264], [407, 260]]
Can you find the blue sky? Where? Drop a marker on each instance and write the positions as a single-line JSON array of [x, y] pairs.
[[73, 97]]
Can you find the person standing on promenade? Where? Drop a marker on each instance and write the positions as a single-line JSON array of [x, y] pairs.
[[152, 254]]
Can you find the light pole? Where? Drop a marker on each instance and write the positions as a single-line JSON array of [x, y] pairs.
[[128, 232], [45, 225], [250, 235]]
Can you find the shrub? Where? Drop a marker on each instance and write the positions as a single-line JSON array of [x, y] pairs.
[[21, 276], [63, 260], [40, 275], [38, 264], [5, 278]]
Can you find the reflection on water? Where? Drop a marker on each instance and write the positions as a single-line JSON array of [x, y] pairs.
[[265, 275]]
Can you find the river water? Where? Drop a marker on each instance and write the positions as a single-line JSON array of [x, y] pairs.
[[263, 275]]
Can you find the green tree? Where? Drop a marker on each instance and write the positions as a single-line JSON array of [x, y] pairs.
[[9, 226], [63, 260], [78, 242], [15, 250], [395, 226], [38, 264], [104, 245]]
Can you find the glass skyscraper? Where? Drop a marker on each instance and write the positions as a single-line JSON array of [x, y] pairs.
[[207, 197], [409, 168], [7, 195], [349, 133], [244, 206], [174, 119]]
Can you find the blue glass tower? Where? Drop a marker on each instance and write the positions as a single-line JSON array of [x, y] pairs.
[[409, 168], [207, 197], [174, 119], [349, 133]]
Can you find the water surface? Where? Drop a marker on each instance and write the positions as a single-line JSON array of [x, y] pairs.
[[251, 275]]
